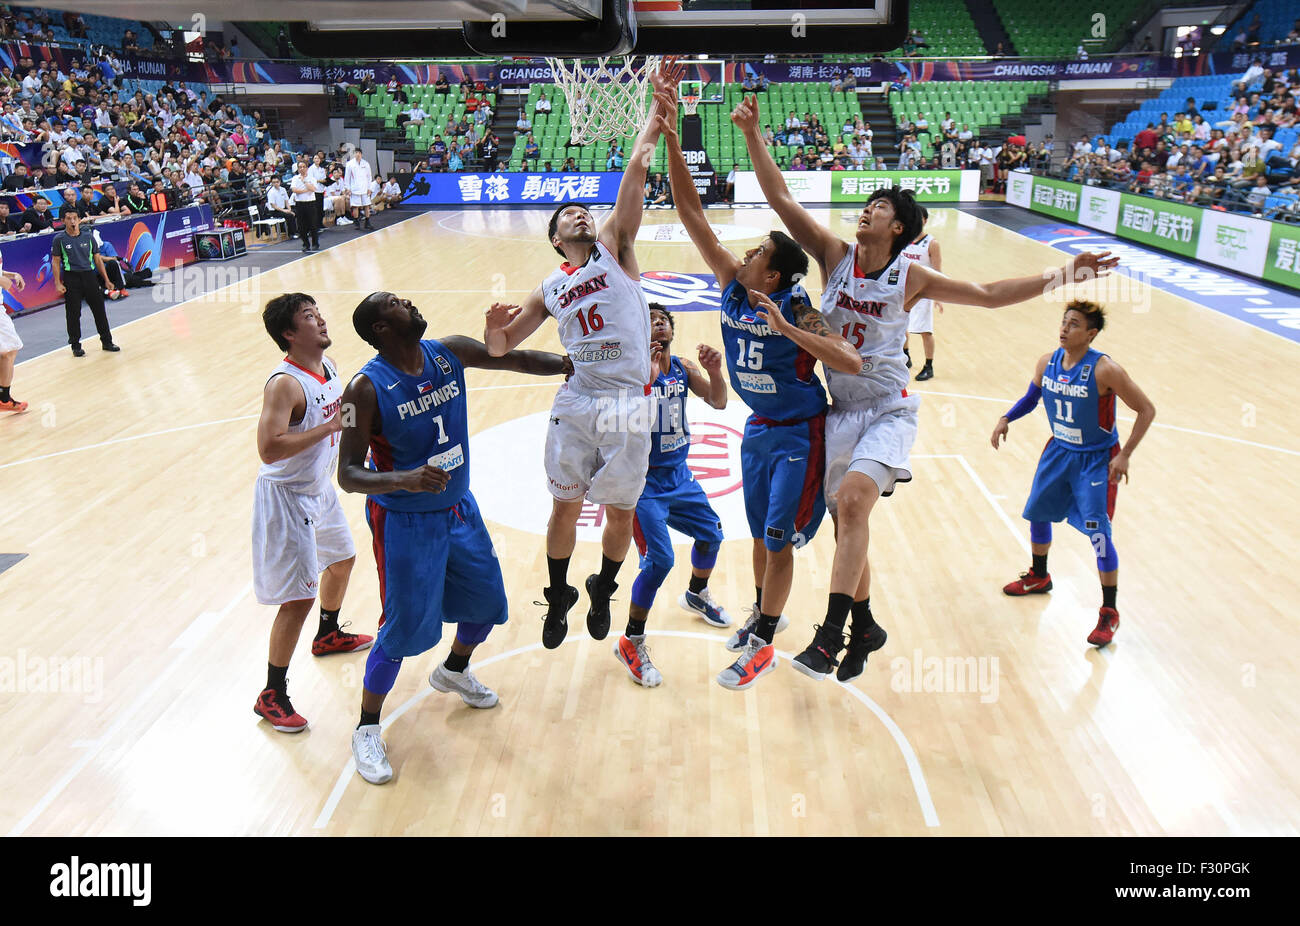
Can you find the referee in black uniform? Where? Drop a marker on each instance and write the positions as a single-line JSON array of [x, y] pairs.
[[305, 208], [75, 259]]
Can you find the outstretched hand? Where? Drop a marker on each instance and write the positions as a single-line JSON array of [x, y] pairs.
[[500, 315], [745, 116], [669, 74], [667, 118], [710, 358], [1089, 266]]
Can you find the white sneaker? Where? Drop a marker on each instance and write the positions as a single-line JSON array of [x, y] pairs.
[[471, 690], [342, 221], [370, 754], [704, 607], [738, 639], [635, 657]]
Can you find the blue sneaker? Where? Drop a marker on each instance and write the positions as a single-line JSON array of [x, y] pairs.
[[740, 638], [704, 605]]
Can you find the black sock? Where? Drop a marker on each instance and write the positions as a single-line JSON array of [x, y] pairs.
[[635, 628], [4, 393], [698, 583], [758, 596], [1108, 593], [275, 677], [766, 628], [455, 662], [609, 571], [837, 611], [863, 622], [1040, 564], [559, 571], [329, 621], [368, 718]]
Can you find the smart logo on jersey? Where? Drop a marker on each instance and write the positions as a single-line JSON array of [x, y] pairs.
[[862, 306], [594, 285]]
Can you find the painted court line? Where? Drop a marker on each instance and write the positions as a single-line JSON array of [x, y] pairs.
[[92, 747], [914, 770]]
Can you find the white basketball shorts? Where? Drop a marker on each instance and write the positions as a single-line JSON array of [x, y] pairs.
[[598, 446], [875, 440], [9, 339], [295, 539], [921, 319], [359, 199]]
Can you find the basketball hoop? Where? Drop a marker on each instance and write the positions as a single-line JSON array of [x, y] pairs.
[[607, 100], [689, 103]]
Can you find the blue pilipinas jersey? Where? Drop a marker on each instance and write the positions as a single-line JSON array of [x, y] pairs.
[[670, 438], [1079, 416], [775, 377], [422, 419]]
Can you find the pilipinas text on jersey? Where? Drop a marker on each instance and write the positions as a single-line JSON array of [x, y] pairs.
[[772, 374], [422, 421], [1081, 418], [670, 437]]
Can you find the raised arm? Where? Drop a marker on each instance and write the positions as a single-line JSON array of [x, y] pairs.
[[810, 332], [1113, 376], [713, 388], [473, 353], [813, 237], [928, 283], [619, 232], [690, 210], [361, 416], [506, 326]]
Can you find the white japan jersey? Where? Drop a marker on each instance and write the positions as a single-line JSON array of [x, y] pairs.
[[309, 472], [870, 315], [604, 324], [919, 251]]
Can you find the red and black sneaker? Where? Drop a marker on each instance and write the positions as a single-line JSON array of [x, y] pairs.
[[1028, 584], [276, 708], [340, 641], [1107, 624]]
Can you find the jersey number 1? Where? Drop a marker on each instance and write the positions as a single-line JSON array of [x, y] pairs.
[[593, 321]]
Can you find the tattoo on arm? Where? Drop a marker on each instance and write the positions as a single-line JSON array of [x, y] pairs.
[[810, 320]]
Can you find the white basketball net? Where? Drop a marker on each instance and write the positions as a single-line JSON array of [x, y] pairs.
[[689, 103], [608, 100]]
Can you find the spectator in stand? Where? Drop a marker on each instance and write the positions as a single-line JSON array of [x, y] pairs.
[[454, 162], [136, 201], [38, 218], [18, 180], [532, 151], [543, 105], [9, 224], [657, 192], [569, 166], [1146, 138], [523, 125], [438, 153], [441, 85], [415, 116], [615, 159]]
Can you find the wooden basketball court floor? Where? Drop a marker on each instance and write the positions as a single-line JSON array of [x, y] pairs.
[[129, 485]]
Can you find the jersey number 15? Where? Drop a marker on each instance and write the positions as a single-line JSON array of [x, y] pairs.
[[752, 358]]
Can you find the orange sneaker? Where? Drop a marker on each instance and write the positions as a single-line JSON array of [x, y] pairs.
[[1028, 584], [13, 406], [756, 660], [1107, 624], [339, 641], [635, 657]]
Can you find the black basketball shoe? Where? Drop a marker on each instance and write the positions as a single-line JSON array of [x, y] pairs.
[[558, 604], [861, 645], [598, 613], [819, 658]]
